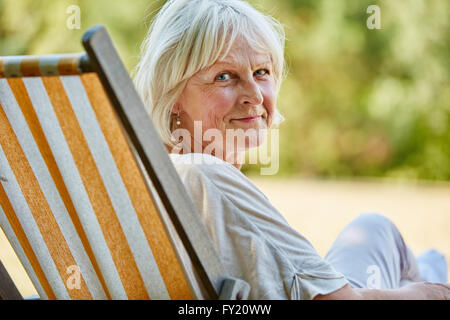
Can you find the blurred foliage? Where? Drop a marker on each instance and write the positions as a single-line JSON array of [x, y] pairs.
[[357, 102]]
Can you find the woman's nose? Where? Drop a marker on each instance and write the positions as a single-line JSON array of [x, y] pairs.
[[251, 93]]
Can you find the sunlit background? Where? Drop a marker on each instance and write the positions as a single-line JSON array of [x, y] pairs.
[[360, 104], [357, 102]]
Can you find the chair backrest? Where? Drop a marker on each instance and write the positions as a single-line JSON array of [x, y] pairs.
[[76, 146]]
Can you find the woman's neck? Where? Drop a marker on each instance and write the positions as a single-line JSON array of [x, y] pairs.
[[236, 159]]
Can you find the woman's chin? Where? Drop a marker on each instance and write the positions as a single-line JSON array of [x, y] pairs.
[[249, 141]]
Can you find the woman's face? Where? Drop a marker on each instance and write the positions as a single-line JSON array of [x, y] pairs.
[[238, 92]]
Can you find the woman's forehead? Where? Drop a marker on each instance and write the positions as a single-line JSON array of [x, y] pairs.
[[243, 59], [241, 50], [241, 55]]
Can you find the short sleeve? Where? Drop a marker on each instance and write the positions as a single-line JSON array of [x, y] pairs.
[[253, 239]]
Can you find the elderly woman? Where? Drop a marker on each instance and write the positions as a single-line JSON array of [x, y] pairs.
[[211, 69]]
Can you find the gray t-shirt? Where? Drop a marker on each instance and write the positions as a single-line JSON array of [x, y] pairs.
[[254, 241]]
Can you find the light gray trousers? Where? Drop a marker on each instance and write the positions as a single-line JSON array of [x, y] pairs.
[[371, 253]]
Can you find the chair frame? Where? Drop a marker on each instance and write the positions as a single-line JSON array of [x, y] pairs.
[[8, 290], [101, 57]]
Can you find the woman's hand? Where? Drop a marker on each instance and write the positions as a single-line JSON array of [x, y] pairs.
[[413, 291], [426, 291]]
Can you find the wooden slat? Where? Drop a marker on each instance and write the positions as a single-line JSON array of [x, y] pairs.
[[30, 67], [45, 65], [141, 132]]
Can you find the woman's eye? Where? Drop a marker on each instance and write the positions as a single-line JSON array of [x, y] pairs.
[[257, 72], [223, 76], [227, 76]]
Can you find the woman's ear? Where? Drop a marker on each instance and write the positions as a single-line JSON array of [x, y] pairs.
[[176, 109]]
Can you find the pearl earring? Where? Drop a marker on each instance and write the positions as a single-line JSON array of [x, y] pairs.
[[178, 118]]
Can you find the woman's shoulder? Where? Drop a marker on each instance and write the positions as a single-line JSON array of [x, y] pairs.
[[204, 165], [202, 171], [195, 158]]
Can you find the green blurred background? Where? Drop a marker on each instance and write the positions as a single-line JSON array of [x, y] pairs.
[[357, 102]]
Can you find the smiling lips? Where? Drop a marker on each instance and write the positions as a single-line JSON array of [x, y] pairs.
[[249, 119]]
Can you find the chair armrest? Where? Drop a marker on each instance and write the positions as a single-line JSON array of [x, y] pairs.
[[234, 289]]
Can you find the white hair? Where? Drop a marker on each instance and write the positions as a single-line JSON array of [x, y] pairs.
[[187, 36]]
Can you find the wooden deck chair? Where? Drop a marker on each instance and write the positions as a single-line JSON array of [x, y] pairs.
[[89, 198]]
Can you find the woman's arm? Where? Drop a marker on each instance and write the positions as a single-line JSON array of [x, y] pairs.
[[414, 291]]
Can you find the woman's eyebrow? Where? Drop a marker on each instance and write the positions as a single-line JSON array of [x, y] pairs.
[[233, 64], [223, 63]]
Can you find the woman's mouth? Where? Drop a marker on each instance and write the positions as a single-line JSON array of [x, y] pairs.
[[249, 119]]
